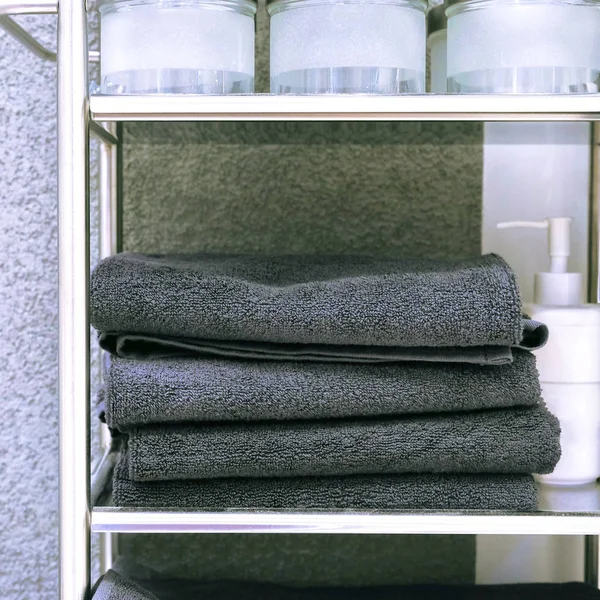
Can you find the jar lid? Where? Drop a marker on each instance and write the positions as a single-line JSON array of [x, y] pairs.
[[437, 19]]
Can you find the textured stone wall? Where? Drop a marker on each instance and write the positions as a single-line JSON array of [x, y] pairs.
[[28, 320]]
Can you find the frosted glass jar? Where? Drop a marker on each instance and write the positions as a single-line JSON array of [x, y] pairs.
[[178, 46], [523, 46], [347, 46], [437, 36]]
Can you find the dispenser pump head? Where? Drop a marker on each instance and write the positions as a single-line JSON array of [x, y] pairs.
[[556, 287]]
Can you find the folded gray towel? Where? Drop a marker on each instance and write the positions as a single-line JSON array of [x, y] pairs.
[[309, 300], [368, 492], [113, 586], [512, 440], [192, 389]]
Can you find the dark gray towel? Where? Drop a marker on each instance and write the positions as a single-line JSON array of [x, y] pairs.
[[368, 492], [113, 586], [192, 389], [309, 300], [188, 590], [517, 440], [170, 589]]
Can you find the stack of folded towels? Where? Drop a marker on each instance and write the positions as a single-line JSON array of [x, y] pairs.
[[321, 382]]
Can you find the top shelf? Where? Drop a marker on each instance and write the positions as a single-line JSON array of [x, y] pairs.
[[426, 107]]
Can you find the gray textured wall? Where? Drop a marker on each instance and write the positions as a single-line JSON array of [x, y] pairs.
[[28, 321]]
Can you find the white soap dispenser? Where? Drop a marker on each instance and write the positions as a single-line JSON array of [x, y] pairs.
[[569, 364]]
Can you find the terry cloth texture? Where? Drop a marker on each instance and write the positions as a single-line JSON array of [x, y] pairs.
[[112, 586], [309, 300], [512, 440], [192, 389], [368, 492]]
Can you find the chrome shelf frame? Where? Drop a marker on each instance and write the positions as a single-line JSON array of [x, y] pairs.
[[405, 523], [563, 511], [425, 107], [9, 8]]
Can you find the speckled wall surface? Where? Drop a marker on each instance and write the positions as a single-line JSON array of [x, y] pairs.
[[28, 322], [309, 559], [377, 188], [29, 317]]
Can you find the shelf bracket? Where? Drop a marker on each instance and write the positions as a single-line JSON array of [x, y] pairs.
[[35, 7], [27, 7], [102, 134], [15, 30]]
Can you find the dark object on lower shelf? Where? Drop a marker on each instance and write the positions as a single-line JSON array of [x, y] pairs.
[[374, 492], [115, 587]]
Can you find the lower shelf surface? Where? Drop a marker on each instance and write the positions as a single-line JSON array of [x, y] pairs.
[[563, 511]]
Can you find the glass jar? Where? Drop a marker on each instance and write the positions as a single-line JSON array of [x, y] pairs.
[[437, 35], [177, 46], [347, 46], [523, 46]]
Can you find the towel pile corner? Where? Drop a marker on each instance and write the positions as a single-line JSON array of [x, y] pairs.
[[319, 382]]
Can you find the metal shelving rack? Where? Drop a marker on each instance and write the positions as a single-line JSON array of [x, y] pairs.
[[79, 116]]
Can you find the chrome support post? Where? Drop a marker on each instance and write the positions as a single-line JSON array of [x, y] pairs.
[[591, 553], [108, 246], [73, 259], [594, 219], [591, 573]]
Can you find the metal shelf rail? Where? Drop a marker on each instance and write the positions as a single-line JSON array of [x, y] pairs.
[[80, 116], [425, 107]]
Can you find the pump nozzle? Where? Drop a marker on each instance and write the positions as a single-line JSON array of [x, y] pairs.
[[558, 287], [559, 239]]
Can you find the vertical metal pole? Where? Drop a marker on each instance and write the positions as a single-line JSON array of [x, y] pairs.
[[594, 218], [591, 552], [591, 572], [108, 247], [73, 259], [108, 196]]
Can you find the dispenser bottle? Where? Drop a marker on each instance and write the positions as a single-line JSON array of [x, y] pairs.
[[569, 364]]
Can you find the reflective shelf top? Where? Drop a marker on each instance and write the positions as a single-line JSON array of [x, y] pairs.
[[563, 511], [424, 107]]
